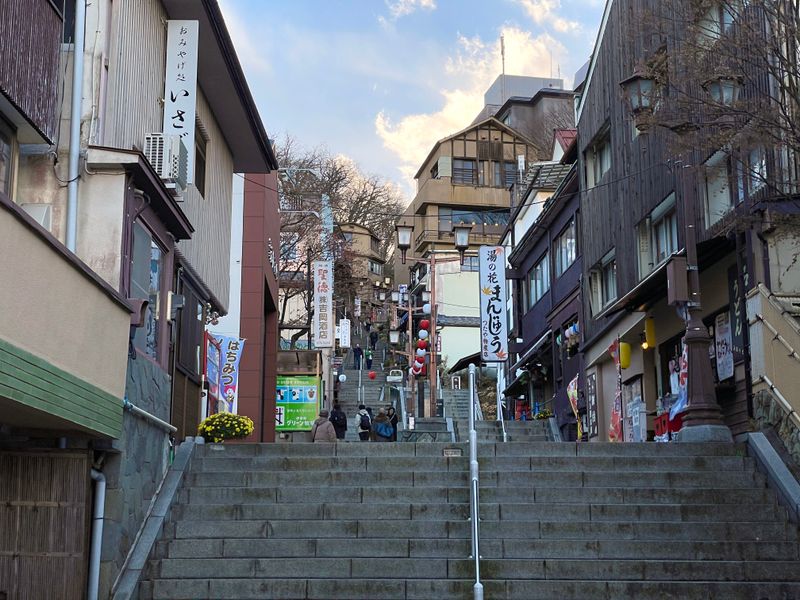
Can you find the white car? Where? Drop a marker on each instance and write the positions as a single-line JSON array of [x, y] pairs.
[[395, 376]]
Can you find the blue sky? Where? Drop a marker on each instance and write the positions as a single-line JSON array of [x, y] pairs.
[[380, 81]]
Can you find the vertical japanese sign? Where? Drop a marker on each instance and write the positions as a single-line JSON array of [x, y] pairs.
[[296, 402], [231, 349], [724, 346], [211, 370], [323, 304], [591, 404], [615, 427], [344, 333], [357, 307], [738, 318], [180, 85], [494, 329]]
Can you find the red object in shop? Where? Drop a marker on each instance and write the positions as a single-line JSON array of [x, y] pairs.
[[522, 408], [663, 425]]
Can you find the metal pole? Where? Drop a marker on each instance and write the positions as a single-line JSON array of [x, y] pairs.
[[412, 397], [473, 488], [433, 336], [75, 126]]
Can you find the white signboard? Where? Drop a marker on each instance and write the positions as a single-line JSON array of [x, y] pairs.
[[494, 328], [180, 85], [357, 307], [724, 346], [344, 333], [324, 327]]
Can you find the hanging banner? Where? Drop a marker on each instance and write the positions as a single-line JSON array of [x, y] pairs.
[[323, 304], [211, 371], [296, 402], [344, 333], [494, 328], [615, 428], [231, 348], [572, 396], [683, 378], [180, 86], [357, 307], [724, 346]]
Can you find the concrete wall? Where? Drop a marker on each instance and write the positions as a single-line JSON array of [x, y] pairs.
[[458, 342], [52, 310], [784, 270]]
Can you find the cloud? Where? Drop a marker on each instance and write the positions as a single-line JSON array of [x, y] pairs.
[[468, 74], [251, 54], [545, 13], [401, 8]]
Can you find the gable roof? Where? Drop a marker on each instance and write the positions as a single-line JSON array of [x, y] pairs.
[[565, 137], [490, 121]]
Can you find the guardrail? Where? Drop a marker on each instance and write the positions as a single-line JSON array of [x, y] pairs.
[[474, 489]]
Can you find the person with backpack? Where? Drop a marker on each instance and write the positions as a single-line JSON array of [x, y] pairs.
[[368, 358], [382, 427], [392, 414], [339, 420], [322, 430], [364, 423]]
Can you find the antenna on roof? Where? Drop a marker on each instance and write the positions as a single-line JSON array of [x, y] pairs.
[[503, 61]]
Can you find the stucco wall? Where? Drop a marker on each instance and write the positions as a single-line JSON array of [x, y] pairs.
[[458, 342], [53, 311]]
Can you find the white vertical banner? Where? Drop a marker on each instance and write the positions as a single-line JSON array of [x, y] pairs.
[[324, 326], [180, 85], [724, 346], [344, 333], [357, 307], [494, 328]]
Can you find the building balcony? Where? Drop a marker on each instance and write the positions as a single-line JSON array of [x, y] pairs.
[[63, 336], [481, 235], [443, 192]]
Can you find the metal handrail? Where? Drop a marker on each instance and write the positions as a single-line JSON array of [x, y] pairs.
[[474, 489], [501, 418]]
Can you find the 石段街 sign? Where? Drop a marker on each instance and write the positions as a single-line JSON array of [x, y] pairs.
[[180, 86], [494, 328], [324, 327]]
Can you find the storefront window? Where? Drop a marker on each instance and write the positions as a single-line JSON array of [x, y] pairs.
[[147, 267]]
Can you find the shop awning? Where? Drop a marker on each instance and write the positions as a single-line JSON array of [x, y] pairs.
[[463, 363], [649, 290], [531, 351]]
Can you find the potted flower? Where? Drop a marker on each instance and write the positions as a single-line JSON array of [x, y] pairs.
[[225, 426]]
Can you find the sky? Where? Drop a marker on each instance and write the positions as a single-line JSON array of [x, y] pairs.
[[380, 81]]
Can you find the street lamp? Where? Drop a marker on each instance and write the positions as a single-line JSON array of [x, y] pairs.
[[426, 296], [394, 336], [382, 296], [403, 240], [724, 90], [703, 421], [640, 91], [395, 296], [461, 232]]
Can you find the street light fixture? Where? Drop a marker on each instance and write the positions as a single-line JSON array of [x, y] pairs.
[[403, 240], [426, 296], [724, 90], [395, 296], [640, 91], [394, 336], [461, 232], [382, 296]]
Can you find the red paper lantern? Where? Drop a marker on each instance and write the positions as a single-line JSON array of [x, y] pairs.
[[422, 345], [371, 375], [424, 324]]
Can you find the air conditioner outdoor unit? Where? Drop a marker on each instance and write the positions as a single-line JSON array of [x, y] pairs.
[[168, 155]]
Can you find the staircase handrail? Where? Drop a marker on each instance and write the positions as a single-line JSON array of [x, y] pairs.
[[501, 417], [474, 488]]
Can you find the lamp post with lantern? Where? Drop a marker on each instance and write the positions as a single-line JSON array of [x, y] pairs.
[[703, 420]]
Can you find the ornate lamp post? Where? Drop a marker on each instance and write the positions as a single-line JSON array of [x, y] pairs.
[[703, 421]]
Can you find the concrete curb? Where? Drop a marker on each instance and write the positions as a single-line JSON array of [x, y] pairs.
[[128, 587], [778, 475]]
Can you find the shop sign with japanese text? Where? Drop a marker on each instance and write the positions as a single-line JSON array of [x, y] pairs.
[[323, 304], [180, 86], [494, 328]]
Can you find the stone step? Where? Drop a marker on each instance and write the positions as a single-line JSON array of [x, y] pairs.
[[488, 464], [503, 530], [528, 511], [383, 588], [453, 548]]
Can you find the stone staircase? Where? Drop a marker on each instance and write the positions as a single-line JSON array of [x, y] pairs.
[[348, 391], [516, 431], [389, 521]]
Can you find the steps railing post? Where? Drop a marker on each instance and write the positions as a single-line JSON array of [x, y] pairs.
[[474, 471]]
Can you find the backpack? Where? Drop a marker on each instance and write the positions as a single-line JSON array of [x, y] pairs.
[[384, 429], [364, 423], [339, 419]]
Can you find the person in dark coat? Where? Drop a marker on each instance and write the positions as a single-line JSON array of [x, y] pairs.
[[392, 414], [358, 354], [363, 425], [380, 426], [339, 420], [373, 339]]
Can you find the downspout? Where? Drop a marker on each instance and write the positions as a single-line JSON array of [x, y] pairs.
[[97, 532], [75, 125]]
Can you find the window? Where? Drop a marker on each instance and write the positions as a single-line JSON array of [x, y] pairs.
[[375, 244], [566, 248], [510, 170], [348, 236], [471, 264], [464, 171], [598, 160], [538, 280], [658, 236], [375, 268], [192, 325], [6, 158], [484, 222], [200, 142], [717, 21], [609, 282], [435, 170], [147, 267], [719, 195], [665, 236], [757, 169], [289, 242], [603, 283]]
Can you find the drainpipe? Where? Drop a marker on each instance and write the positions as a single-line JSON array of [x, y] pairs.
[[97, 534], [75, 125]]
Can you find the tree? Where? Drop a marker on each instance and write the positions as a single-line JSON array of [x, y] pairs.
[[354, 197]]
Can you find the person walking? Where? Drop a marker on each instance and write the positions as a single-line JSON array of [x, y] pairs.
[[373, 339], [392, 414], [322, 430], [358, 353], [381, 427], [363, 423], [339, 420], [368, 358]]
